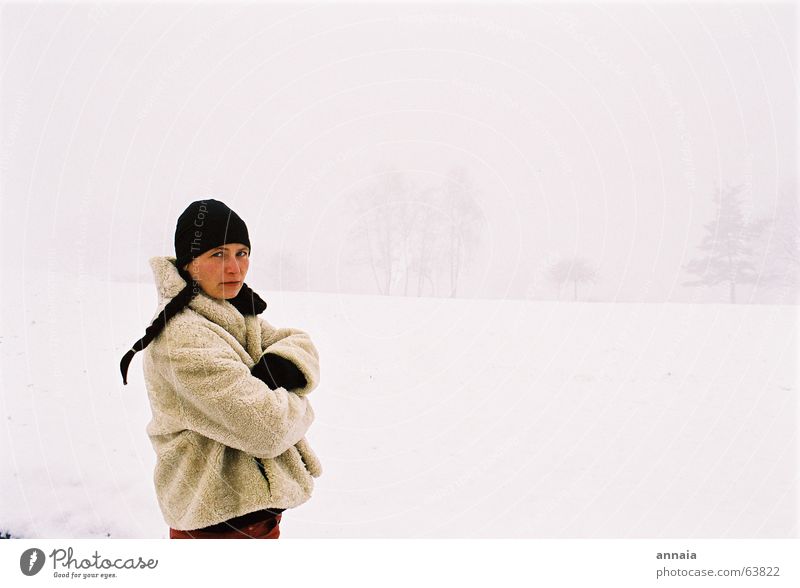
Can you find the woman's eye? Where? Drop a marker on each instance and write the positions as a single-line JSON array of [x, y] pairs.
[[219, 253]]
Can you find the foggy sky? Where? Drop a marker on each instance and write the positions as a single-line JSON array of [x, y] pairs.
[[598, 131]]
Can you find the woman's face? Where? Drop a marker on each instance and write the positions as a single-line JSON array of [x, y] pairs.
[[221, 271]]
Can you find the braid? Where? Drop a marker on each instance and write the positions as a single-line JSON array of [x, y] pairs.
[[172, 308]]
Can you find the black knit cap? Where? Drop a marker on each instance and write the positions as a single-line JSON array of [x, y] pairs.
[[206, 224]]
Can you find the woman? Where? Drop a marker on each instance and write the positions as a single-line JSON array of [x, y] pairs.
[[227, 389]]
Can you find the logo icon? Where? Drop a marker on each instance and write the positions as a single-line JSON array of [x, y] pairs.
[[31, 561]]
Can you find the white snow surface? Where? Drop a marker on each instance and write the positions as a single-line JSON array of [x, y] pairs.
[[435, 417]]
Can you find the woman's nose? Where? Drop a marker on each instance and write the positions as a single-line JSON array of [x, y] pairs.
[[232, 266]]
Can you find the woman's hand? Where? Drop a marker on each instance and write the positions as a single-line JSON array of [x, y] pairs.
[[296, 346], [276, 372]]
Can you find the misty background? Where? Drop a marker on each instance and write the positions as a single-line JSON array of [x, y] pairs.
[[606, 152]]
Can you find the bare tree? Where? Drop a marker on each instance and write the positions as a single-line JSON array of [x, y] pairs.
[[576, 270], [781, 242], [362, 251], [464, 219], [429, 238], [378, 232], [410, 235], [729, 245]]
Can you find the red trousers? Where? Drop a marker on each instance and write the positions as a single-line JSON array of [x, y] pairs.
[[260, 525]]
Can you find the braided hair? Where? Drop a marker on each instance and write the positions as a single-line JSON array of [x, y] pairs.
[[246, 302]]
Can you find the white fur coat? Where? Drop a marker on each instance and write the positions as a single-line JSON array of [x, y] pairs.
[[212, 419]]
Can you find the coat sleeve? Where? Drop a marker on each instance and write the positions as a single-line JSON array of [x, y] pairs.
[[296, 346], [216, 395]]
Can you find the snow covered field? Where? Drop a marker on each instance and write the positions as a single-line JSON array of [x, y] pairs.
[[435, 417]]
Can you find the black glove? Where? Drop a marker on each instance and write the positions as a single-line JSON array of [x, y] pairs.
[[276, 371]]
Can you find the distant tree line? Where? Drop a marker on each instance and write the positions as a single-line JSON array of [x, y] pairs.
[[415, 239]]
